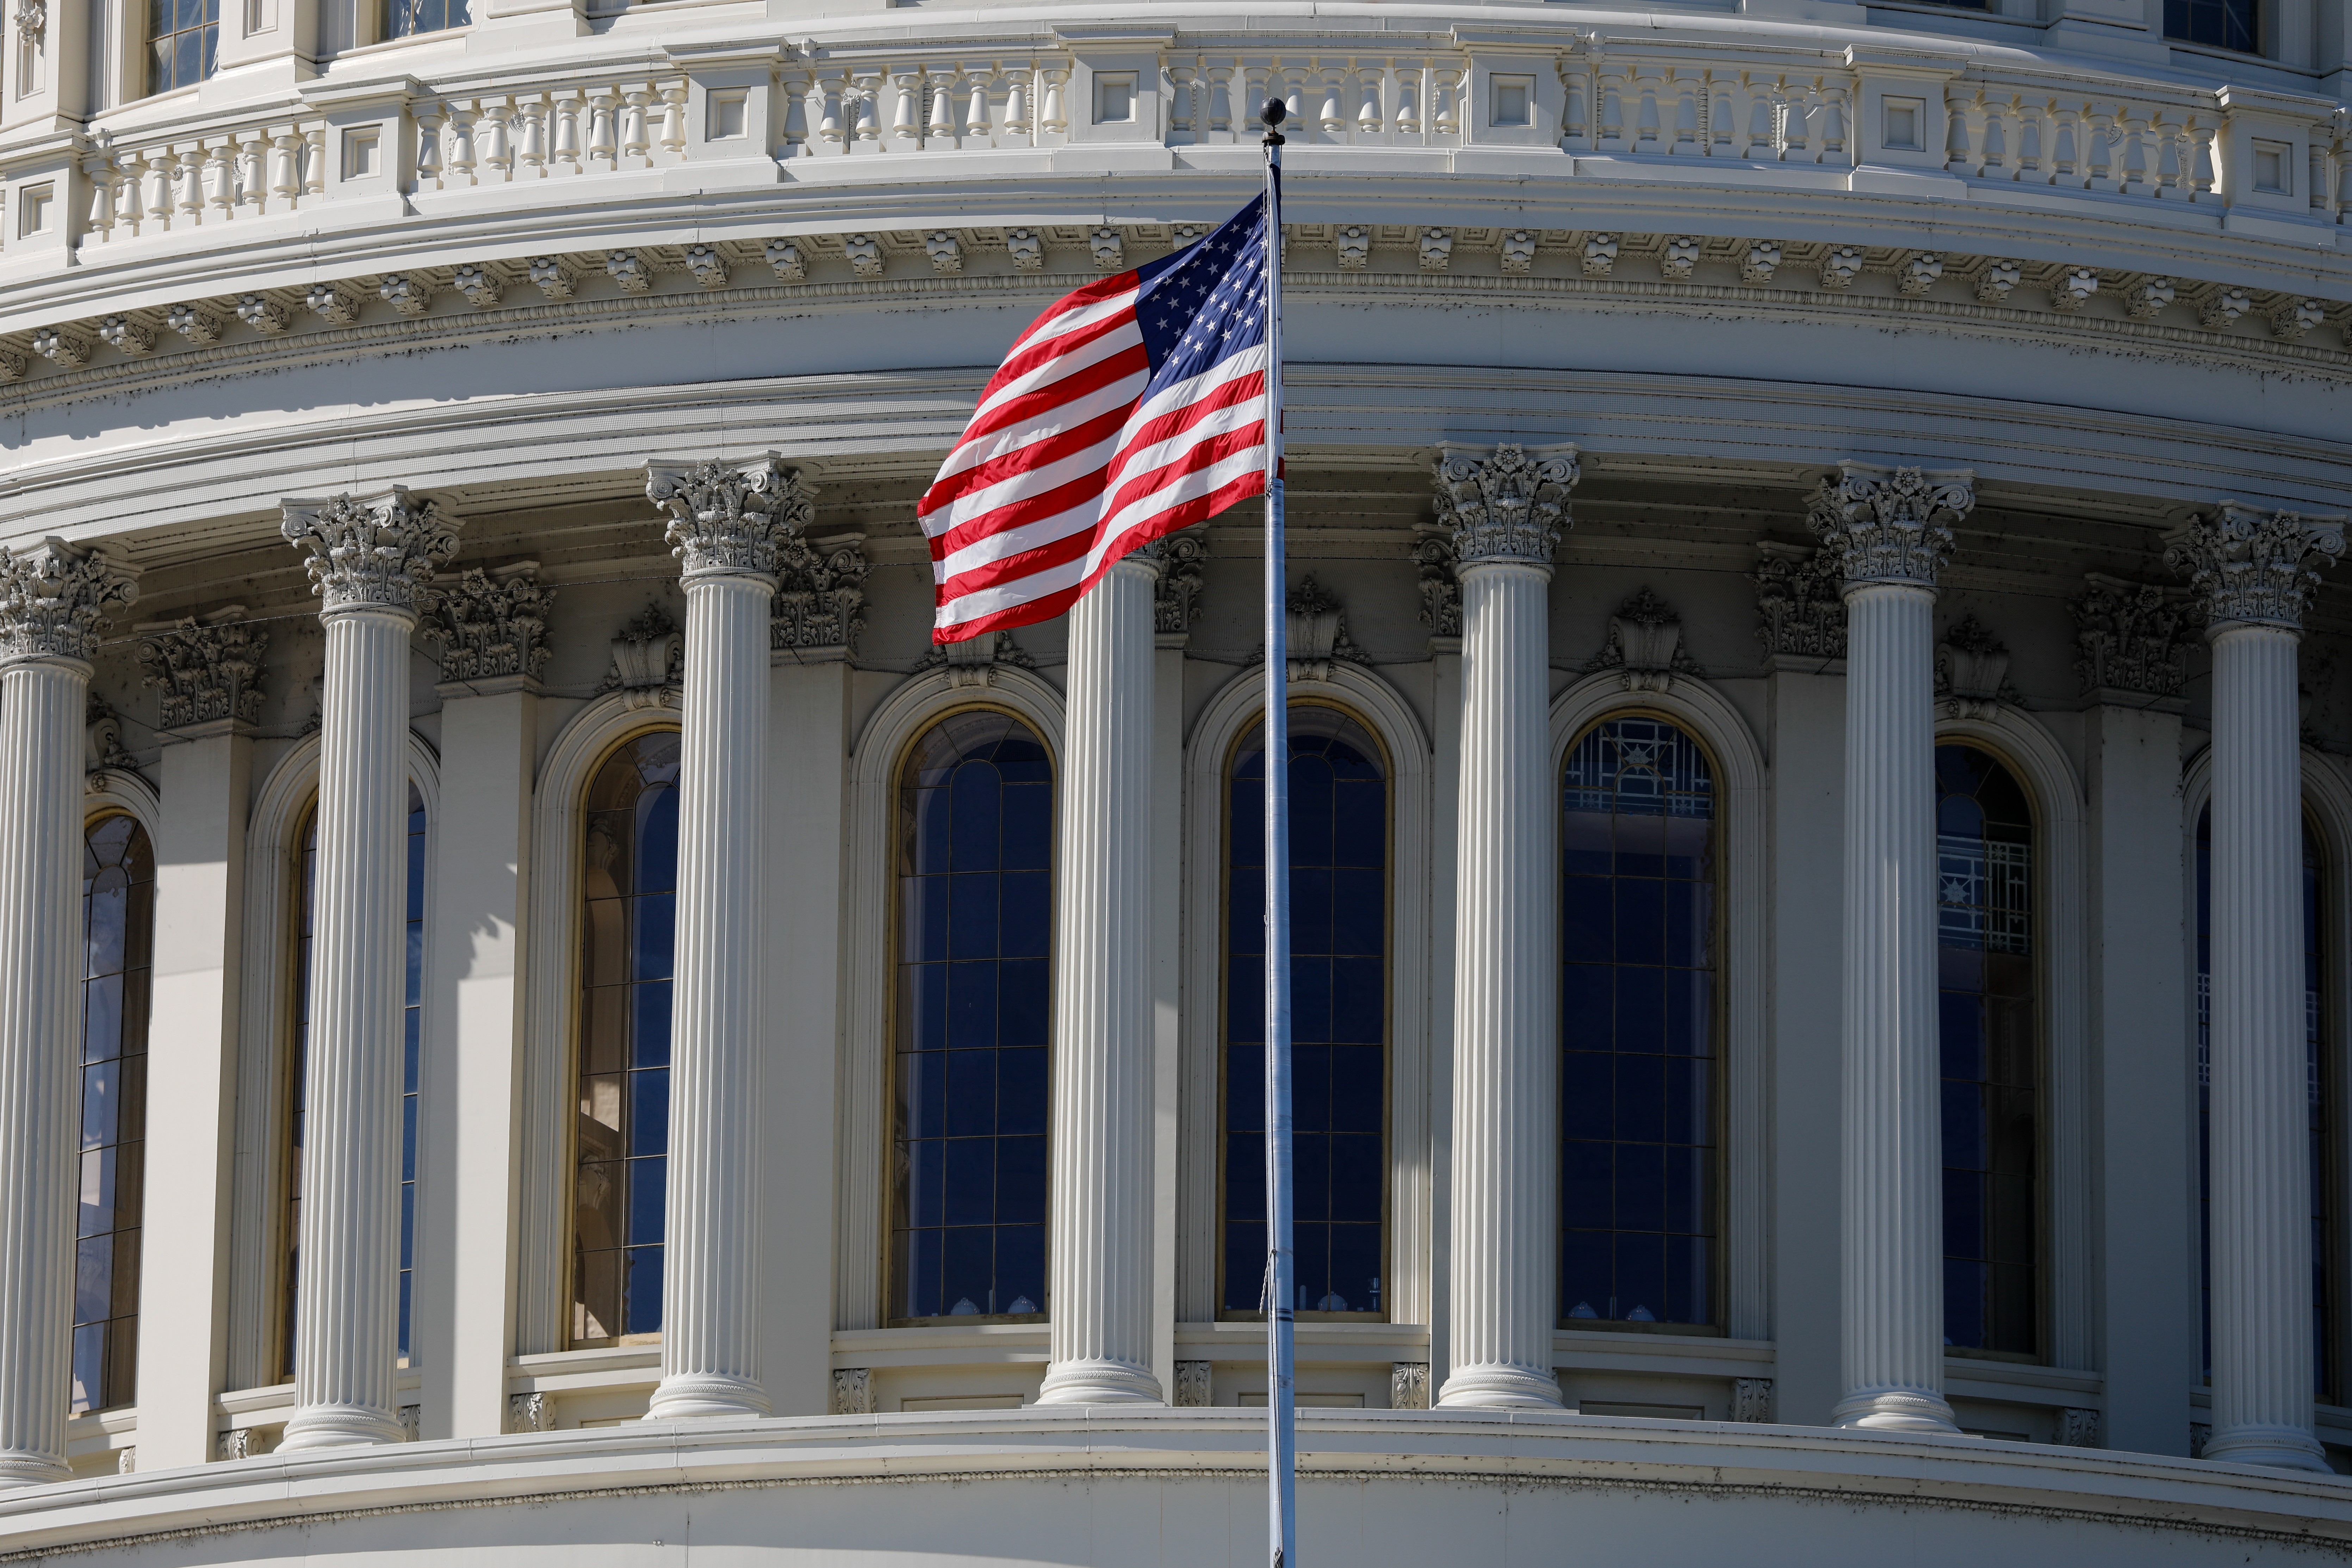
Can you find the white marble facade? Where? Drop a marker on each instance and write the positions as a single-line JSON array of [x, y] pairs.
[[1816, 663]]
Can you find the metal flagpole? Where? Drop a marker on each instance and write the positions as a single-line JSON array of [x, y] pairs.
[[1282, 1437]]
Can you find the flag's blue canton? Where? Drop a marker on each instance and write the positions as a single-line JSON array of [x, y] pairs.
[[1205, 302]]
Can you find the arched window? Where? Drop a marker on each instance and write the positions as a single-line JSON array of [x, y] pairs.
[[118, 905], [1639, 1024], [629, 879], [411, 1019], [1338, 1017], [1991, 1064], [2319, 1090], [970, 1021]]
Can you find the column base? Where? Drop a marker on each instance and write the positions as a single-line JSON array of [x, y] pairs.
[[707, 1397], [1914, 1411], [339, 1427], [2265, 1443], [26, 1469], [1099, 1382], [1499, 1386]]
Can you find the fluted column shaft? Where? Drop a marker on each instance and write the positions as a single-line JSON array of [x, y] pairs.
[[710, 1327], [41, 715], [1893, 1193], [1100, 1305], [2260, 1174], [347, 1293], [1506, 1025]]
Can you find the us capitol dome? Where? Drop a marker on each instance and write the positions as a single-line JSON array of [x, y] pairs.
[[1821, 746]]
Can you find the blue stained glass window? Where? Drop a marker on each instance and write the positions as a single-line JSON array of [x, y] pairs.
[[1638, 1057], [118, 933], [411, 1019], [629, 869], [971, 1021], [1991, 1069], [2315, 1099], [1339, 1035]]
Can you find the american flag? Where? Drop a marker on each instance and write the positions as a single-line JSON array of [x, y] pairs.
[[1135, 407]]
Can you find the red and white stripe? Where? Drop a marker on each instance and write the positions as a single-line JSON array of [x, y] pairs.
[[1063, 469]]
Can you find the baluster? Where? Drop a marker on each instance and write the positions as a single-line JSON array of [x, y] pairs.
[[1370, 81], [134, 207], [905, 106], [569, 105], [635, 143], [2065, 159], [942, 127], [430, 118], [1408, 114], [1294, 93], [1612, 94], [531, 146], [604, 115], [497, 134], [2134, 174], [1016, 100], [1575, 112], [2012, 138], [673, 119], [219, 180], [314, 161], [285, 179], [1181, 129], [975, 115], [1722, 115], [250, 155], [100, 172], [824, 105], [1687, 140], [1050, 118], [191, 183], [1333, 118], [1223, 114], [458, 144], [2033, 142], [1445, 101], [1763, 118], [1646, 126], [869, 109], [1834, 125]]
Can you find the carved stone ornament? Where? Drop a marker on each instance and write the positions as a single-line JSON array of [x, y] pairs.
[[529, 1413], [971, 661], [1317, 630], [1440, 589], [102, 745], [1645, 637], [1408, 1385], [1891, 525], [371, 551], [1799, 594], [54, 599], [820, 590], [2199, 1434], [233, 1445], [1176, 598], [2132, 637], [1510, 505], [208, 671], [2078, 1427], [1193, 1384], [492, 624], [730, 518], [2253, 567], [648, 661], [1751, 1399], [32, 19], [1972, 671], [411, 1422], [853, 1391]]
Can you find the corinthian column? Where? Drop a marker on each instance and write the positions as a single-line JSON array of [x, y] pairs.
[[1891, 529], [2253, 572], [1100, 1300], [1505, 511], [370, 555], [728, 525], [53, 602]]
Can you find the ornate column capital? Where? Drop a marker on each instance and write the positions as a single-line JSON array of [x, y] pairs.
[[2251, 567], [1797, 592], [820, 593], [1509, 504], [209, 670], [1891, 525], [54, 599], [492, 624], [2131, 637], [371, 551], [731, 520]]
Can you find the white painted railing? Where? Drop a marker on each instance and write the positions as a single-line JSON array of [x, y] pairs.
[[188, 180]]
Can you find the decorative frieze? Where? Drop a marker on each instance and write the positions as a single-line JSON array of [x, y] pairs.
[[1436, 249], [1799, 592], [1509, 505], [2252, 566], [1751, 1399], [853, 1391], [820, 590], [1645, 643], [371, 551], [1176, 600], [788, 262], [492, 624], [1995, 281], [1315, 628], [1972, 671], [1440, 587], [648, 661], [1192, 1385], [2131, 636], [730, 518], [1408, 1385], [209, 670], [55, 598], [1891, 525]]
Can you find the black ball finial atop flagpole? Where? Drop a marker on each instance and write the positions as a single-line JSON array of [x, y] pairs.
[[1273, 113]]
